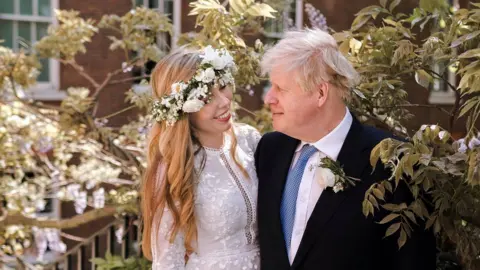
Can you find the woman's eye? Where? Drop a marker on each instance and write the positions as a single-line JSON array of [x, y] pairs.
[[223, 87]]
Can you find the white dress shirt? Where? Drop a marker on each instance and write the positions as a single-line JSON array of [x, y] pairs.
[[309, 191]]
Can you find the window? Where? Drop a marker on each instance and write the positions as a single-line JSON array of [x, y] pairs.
[[165, 42], [291, 17], [22, 23], [440, 91]]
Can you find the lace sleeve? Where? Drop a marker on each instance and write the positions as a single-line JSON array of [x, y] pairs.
[[166, 255], [253, 137]]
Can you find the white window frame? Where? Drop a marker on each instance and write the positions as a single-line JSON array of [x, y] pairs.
[[286, 14], [441, 96], [177, 30], [437, 94], [47, 91]]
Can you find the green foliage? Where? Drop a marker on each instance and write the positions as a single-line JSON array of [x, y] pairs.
[[385, 48], [116, 263], [223, 28], [68, 38], [138, 31]]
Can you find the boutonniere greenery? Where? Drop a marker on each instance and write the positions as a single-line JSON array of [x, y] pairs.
[[329, 173]]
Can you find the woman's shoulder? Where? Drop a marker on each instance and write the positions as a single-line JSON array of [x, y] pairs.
[[242, 129], [248, 133]]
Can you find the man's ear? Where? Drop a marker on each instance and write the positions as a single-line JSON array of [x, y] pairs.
[[323, 92]]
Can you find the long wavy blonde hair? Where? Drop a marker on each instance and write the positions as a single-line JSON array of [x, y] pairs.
[[173, 147]]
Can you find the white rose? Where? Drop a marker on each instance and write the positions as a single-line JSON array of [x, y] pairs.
[[209, 75], [209, 54], [325, 177], [200, 75], [191, 106]]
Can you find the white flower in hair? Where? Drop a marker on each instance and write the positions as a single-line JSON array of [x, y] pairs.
[[189, 97], [178, 87], [191, 106], [209, 75]]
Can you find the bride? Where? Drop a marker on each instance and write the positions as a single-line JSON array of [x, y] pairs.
[[200, 188]]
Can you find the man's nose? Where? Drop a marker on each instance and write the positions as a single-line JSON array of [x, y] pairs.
[[270, 97]]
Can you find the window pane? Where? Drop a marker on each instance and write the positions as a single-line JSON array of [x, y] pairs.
[[6, 33], [44, 8], [41, 30], [24, 35], [44, 71], [138, 3], [6, 6], [26, 7]]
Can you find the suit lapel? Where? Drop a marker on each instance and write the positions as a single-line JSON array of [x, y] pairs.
[[353, 162], [279, 175]]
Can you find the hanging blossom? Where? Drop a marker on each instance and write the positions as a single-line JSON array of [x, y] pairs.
[[99, 198], [48, 238], [316, 18]]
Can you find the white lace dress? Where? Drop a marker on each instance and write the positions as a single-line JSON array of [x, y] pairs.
[[225, 208]]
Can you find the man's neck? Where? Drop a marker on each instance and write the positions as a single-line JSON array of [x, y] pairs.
[[329, 121]]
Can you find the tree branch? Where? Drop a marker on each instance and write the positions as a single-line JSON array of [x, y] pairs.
[[81, 71], [68, 223], [119, 112], [418, 105], [129, 79]]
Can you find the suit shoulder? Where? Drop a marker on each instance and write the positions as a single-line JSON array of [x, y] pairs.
[[273, 137]]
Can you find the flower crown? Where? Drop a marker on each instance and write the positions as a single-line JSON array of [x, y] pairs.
[[216, 67]]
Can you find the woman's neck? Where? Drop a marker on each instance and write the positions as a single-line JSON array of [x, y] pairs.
[[211, 140]]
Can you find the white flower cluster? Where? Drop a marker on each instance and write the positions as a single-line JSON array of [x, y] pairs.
[[216, 67]]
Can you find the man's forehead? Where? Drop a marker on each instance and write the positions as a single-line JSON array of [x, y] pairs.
[[281, 75]]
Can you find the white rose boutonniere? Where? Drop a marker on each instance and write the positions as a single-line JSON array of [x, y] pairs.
[[329, 173]]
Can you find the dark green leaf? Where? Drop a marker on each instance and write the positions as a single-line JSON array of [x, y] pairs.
[[389, 218], [411, 216], [402, 239], [423, 78], [394, 4], [392, 229]]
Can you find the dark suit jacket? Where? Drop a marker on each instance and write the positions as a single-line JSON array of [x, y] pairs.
[[338, 236]]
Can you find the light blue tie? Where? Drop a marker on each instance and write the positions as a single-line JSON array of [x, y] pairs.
[[290, 192]]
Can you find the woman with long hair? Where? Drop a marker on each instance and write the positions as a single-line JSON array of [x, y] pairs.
[[200, 187]]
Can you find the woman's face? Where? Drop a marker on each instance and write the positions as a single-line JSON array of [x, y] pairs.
[[214, 117]]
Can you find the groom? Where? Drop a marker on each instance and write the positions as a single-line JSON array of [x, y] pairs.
[[303, 223]]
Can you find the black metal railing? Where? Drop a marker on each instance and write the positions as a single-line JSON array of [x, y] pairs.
[[98, 245]]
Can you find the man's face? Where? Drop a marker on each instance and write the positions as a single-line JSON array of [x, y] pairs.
[[292, 107]]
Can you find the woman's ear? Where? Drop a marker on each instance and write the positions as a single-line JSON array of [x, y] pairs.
[[323, 92]]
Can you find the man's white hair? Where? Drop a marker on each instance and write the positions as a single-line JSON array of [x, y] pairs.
[[314, 56]]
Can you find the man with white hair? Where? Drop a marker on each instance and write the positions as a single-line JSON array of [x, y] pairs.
[[305, 222]]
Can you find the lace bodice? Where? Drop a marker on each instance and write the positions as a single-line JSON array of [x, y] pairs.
[[225, 207]]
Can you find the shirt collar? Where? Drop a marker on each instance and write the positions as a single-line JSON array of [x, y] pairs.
[[332, 143]]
